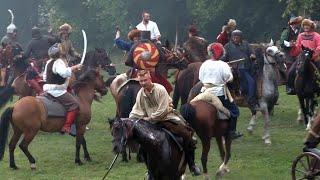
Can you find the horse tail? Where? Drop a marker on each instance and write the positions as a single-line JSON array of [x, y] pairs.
[[5, 95], [176, 95], [188, 112], [4, 128], [110, 80]]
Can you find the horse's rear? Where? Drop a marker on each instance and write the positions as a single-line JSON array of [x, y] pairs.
[[203, 118]]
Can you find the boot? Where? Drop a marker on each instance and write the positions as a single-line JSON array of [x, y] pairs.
[[232, 132], [290, 91], [35, 85], [253, 103], [194, 169], [71, 115]]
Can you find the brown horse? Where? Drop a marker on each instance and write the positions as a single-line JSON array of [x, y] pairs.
[[203, 118], [163, 157], [94, 59], [28, 116]]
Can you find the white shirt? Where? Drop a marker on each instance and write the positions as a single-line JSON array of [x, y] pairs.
[[59, 67], [152, 27], [216, 73]]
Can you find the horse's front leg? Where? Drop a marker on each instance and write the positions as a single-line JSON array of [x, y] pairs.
[[78, 146], [266, 117], [85, 150], [252, 122]]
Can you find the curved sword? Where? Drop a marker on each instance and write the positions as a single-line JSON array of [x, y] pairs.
[[84, 46]]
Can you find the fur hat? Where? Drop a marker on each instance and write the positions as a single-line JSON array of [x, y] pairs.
[[216, 50], [35, 32], [230, 24], [65, 28], [11, 28], [308, 22], [193, 30], [295, 20], [236, 32], [134, 33]]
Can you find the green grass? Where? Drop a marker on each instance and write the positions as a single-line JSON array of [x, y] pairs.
[[251, 158]]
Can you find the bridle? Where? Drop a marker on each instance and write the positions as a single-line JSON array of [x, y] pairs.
[[275, 56]]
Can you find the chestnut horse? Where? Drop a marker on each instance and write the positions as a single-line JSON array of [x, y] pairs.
[[28, 116]]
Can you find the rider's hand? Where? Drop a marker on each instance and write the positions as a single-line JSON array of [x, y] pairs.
[[147, 118], [76, 67], [253, 56]]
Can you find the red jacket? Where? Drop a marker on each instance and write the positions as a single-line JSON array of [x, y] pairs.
[[223, 38], [311, 41]]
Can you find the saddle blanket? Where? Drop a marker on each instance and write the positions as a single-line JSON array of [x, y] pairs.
[[223, 113], [53, 108]]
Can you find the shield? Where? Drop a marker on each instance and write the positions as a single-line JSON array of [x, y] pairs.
[[146, 55]]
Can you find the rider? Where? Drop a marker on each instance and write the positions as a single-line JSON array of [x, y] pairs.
[[56, 76], [10, 39], [236, 49], [309, 39], [67, 49], [225, 36], [154, 104], [133, 36], [37, 50], [196, 46], [288, 34], [215, 74], [148, 25]]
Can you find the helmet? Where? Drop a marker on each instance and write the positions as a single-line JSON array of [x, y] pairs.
[[54, 50], [11, 28], [65, 28], [236, 32]]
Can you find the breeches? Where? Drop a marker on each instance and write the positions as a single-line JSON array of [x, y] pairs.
[[183, 131], [247, 83], [68, 101], [231, 106]]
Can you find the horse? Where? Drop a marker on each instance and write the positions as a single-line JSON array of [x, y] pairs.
[[163, 158], [271, 57], [28, 116], [94, 59], [203, 118], [306, 85], [125, 94]]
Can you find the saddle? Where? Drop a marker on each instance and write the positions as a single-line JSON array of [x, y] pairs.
[[223, 113], [52, 107]]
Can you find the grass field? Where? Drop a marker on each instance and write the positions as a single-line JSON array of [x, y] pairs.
[[251, 158]]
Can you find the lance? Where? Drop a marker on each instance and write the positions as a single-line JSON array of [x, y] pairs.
[[84, 46], [235, 61]]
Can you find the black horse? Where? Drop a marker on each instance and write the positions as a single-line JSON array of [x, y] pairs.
[[163, 158], [306, 84]]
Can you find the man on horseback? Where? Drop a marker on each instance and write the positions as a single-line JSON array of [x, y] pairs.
[[290, 34], [225, 36], [215, 74], [196, 46], [68, 51], [133, 36], [37, 51], [155, 105], [9, 39], [148, 25], [309, 39], [56, 75], [236, 49]]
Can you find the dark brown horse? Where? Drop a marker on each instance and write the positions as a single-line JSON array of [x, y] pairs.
[[203, 118], [94, 59], [28, 116], [163, 158], [306, 85]]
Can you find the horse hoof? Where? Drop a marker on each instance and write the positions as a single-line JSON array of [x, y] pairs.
[[14, 167], [33, 166], [125, 160], [184, 177], [206, 176], [88, 159], [78, 162], [267, 141], [250, 130]]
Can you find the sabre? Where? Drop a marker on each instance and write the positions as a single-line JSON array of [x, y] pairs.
[[85, 46], [114, 160], [238, 60]]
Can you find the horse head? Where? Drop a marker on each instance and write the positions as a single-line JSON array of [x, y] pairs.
[[304, 60], [99, 57], [273, 55], [121, 132], [176, 58]]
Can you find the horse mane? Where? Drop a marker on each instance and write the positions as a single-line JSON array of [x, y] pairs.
[[82, 81], [20, 65]]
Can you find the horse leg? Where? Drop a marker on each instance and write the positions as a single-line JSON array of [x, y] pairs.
[[12, 146], [85, 150], [28, 137], [266, 117], [252, 122], [300, 116], [224, 156], [204, 156]]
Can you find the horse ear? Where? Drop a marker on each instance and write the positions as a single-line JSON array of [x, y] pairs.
[[99, 50], [271, 43], [303, 48]]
